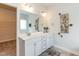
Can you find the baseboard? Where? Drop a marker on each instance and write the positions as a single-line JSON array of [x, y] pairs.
[[65, 49]]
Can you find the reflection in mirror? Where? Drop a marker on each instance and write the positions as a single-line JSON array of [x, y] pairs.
[[29, 22], [23, 24], [37, 24]]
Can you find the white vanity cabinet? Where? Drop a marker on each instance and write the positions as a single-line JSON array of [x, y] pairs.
[[30, 47], [35, 45]]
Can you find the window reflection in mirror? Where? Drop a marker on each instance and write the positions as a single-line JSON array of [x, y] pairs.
[[23, 22], [23, 25], [29, 22]]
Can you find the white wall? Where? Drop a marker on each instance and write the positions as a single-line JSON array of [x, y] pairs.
[[70, 40]]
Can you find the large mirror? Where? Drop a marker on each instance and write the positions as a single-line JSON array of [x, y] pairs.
[[29, 22]]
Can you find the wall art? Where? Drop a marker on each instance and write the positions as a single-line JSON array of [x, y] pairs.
[[64, 23]]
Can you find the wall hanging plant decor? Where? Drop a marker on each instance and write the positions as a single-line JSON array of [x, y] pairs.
[[37, 24]]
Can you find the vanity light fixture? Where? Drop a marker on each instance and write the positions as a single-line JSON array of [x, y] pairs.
[[28, 7]]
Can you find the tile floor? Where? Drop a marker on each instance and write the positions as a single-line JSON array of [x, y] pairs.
[[53, 51]]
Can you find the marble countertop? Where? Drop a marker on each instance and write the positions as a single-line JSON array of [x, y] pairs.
[[24, 36]]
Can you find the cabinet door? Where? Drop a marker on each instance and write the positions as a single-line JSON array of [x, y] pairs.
[[38, 47], [43, 43], [49, 41], [29, 48]]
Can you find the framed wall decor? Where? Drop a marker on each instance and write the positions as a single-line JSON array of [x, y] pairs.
[[64, 23]]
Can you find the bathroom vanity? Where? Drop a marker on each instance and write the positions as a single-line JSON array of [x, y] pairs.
[[31, 40], [35, 44]]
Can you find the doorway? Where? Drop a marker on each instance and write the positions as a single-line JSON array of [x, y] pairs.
[[7, 30]]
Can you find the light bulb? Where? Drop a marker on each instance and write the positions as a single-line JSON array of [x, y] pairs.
[[28, 8], [43, 13]]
